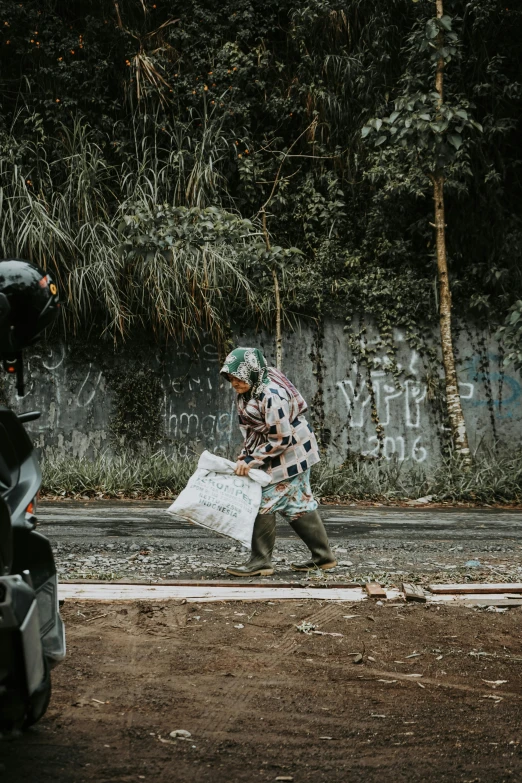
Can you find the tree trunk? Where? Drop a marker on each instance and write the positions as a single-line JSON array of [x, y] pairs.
[[277, 295], [454, 406], [279, 337], [453, 403]]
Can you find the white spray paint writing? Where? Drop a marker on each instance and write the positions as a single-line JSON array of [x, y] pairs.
[[90, 393], [397, 407], [76, 401]]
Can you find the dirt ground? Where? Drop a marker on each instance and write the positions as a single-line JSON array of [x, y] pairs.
[[265, 702]]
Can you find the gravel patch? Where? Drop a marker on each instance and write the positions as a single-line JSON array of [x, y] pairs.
[[389, 562]]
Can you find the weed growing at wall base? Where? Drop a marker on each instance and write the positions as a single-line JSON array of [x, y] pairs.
[[495, 478], [128, 475]]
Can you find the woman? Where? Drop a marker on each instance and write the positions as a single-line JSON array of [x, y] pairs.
[[279, 440]]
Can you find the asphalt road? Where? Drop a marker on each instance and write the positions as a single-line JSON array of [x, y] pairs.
[[115, 540], [78, 521]]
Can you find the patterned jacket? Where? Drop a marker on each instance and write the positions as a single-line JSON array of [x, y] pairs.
[[287, 448]]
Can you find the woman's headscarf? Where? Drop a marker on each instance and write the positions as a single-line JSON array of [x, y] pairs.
[[249, 365]]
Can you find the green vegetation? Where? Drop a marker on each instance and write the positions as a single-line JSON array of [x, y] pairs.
[[127, 475], [180, 168], [117, 117], [511, 333], [136, 416], [425, 139], [492, 478]]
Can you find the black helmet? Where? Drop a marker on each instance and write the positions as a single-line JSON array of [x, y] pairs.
[[28, 304]]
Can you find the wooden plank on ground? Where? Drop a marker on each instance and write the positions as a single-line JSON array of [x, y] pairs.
[[479, 599], [476, 587], [489, 601], [375, 590], [413, 592], [118, 592]]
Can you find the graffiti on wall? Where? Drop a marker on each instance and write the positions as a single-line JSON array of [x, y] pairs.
[[69, 395], [199, 412], [401, 409], [190, 430], [186, 394]]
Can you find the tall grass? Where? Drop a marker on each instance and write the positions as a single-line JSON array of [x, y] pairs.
[[492, 479], [57, 214], [177, 162], [66, 214]]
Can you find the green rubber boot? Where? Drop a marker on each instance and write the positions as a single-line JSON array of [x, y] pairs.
[[263, 540], [311, 530]]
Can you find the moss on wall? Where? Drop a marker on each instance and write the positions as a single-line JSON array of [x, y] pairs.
[[136, 417]]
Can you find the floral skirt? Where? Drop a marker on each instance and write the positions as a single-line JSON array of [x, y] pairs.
[[292, 498]]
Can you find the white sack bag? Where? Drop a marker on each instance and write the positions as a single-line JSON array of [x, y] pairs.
[[218, 499]]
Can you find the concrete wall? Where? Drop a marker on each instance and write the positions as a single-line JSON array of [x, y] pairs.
[[76, 397]]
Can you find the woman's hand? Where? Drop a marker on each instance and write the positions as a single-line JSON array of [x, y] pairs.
[[242, 468]]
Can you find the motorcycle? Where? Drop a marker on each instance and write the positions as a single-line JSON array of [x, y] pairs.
[[32, 636]]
